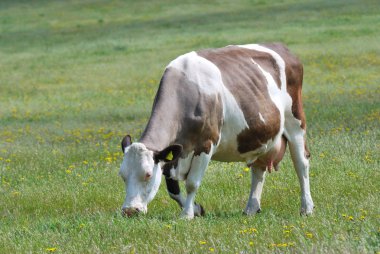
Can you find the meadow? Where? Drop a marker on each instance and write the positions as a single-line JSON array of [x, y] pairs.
[[76, 76]]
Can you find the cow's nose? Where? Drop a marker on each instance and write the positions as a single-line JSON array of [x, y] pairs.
[[129, 211]]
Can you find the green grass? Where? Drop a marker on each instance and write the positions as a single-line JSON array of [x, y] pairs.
[[76, 76]]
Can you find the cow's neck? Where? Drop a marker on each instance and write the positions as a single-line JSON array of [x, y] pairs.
[[158, 134], [163, 126]]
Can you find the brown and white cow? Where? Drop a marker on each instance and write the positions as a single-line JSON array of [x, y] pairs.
[[237, 103]]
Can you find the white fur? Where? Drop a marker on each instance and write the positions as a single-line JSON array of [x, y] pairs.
[[295, 135], [261, 117], [193, 181], [199, 70], [138, 161], [183, 167]]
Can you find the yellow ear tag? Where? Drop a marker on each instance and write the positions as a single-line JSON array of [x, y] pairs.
[[169, 157]]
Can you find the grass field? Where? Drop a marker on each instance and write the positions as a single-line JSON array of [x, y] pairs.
[[76, 76]]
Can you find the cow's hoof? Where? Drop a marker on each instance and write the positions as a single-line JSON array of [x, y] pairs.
[[250, 212], [307, 206], [199, 210], [186, 216], [306, 212], [303, 213]]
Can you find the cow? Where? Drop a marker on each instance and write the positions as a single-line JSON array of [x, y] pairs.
[[230, 104]]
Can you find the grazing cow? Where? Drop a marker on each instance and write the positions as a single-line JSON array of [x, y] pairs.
[[237, 103]]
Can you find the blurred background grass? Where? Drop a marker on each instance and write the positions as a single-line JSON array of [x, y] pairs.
[[76, 76]]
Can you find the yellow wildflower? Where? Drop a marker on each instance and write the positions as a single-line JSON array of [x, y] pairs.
[[51, 249], [202, 242], [309, 235], [248, 231], [211, 249]]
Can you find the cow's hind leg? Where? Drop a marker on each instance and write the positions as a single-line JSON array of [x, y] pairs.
[[300, 157], [193, 181], [257, 183]]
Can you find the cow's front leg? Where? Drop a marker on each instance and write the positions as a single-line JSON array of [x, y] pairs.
[[174, 191], [257, 183], [193, 181]]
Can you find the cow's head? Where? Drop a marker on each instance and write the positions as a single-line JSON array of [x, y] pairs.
[[141, 172]]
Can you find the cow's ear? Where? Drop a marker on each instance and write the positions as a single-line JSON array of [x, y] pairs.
[[170, 153], [127, 141]]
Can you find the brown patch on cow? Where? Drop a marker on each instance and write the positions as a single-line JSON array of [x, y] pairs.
[[248, 85], [235, 56], [258, 134], [206, 148], [294, 78], [183, 115]]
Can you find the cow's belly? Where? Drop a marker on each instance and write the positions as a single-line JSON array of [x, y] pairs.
[[227, 154], [271, 151], [229, 148], [233, 123]]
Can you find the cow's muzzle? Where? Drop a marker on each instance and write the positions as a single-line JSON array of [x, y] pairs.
[[130, 211]]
